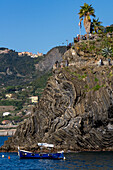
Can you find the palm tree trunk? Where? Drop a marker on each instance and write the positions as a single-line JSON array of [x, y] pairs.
[[87, 25]]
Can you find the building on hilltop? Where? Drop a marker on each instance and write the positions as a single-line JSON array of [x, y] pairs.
[[34, 99], [30, 54], [4, 50], [25, 53], [39, 54], [34, 56]]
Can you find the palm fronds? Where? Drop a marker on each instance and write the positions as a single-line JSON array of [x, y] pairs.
[[86, 10], [96, 25]]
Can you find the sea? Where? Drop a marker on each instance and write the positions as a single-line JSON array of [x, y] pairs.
[[80, 160]]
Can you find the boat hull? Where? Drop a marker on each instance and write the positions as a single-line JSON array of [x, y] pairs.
[[29, 155]]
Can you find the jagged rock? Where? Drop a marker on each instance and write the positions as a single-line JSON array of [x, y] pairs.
[[9, 72], [51, 57], [75, 111]]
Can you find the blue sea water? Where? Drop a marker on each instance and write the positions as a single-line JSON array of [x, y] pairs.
[[81, 160]]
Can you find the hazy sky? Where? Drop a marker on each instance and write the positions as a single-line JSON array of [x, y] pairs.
[[39, 25]]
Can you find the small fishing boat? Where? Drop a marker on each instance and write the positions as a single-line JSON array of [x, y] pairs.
[[23, 154]]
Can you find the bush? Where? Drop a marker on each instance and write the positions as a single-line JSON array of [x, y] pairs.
[[97, 87], [109, 29], [17, 104]]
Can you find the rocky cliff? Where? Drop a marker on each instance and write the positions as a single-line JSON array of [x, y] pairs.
[[55, 54], [75, 111]]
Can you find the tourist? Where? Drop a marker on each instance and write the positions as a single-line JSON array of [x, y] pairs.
[[83, 37], [78, 37], [57, 64], [75, 40], [101, 62], [66, 63], [54, 67], [62, 64], [109, 61], [90, 36]]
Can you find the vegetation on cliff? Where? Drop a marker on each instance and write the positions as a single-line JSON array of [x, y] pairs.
[[75, 111]]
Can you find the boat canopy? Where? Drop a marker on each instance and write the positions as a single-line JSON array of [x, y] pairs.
[[46, 145]]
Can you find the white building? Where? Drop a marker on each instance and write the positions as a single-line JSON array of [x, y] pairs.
[[34, 99], [6, 113]]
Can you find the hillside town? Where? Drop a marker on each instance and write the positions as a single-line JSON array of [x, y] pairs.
[[6, 51]]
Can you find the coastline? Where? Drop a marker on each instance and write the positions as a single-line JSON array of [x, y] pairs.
[[7, 132], [66, 152]]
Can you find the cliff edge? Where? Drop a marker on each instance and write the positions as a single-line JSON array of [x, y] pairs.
[[75, 111]]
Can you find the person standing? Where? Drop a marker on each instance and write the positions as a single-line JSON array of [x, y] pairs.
[[109, 61]]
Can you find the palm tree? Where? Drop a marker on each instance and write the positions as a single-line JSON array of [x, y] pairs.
[[107, 52], [85, 13], [96, 25]]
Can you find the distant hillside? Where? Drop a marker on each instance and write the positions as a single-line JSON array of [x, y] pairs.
[[16, 70]]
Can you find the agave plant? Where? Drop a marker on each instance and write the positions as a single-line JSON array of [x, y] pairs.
[[85, 13], [107, 52]]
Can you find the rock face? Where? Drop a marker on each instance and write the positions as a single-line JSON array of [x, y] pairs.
[[55, 54], [75, 111]]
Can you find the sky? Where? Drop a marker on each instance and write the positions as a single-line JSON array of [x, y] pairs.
[[39, 25]]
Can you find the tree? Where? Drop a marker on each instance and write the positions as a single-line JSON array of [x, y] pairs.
[[85, 12], [107, 52], [109, 28], [96, 25]]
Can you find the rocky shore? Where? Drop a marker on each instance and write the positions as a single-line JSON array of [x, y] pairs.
[[7, 132], [76, 109]]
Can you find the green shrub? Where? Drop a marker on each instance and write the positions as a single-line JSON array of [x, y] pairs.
[[97, 87], [96, 80], [17, 104], [109, 29]]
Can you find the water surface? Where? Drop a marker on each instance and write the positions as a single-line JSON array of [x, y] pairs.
[[81, 160]]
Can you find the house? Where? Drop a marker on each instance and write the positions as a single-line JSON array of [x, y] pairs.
[[19, 114], [34, 99], [39, 54], [8, 95], [25, 53], [20, 54], [6, 114], [4, 50], [34, 56], [5, 122]]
